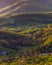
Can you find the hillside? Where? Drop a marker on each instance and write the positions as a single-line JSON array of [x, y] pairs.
[[42, 37], [24, 19], [26, 39], [32, 48]]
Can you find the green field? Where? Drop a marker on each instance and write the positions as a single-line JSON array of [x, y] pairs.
[[27, 45]]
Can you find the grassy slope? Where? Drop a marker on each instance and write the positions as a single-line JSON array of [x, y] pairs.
[[34, 44]]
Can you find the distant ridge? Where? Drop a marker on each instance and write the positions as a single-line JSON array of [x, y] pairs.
[[48, 12], [25, 18]]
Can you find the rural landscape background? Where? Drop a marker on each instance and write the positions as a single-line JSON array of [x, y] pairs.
[[25, 32], [26, 39]]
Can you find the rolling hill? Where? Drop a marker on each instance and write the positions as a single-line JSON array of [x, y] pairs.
[[26, 19], [38, 40], [26, 39]]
